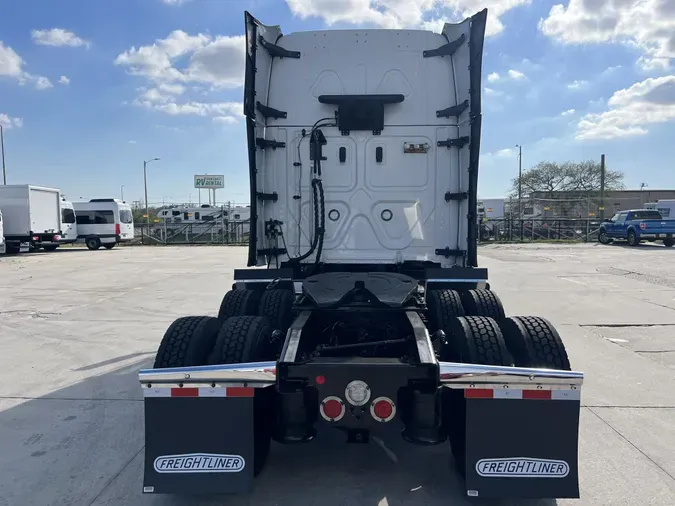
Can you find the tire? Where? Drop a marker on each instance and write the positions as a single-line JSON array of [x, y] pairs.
[[187, 342], [482, 302], [443, 306], [603, 238], [632, 238], [277, 307], [50, 248], [475, 340], [93, 243], [534, 342], [470, 340], [668, 243], [110, 245], [247, 339], [239, 303]]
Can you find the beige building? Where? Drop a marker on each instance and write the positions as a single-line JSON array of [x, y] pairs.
[[579, 205]]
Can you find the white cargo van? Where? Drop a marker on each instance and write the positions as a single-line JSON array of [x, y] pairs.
[[103, 222], [31, 216]]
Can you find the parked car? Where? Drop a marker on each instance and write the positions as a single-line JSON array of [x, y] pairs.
[[103, 222], [638, 225]]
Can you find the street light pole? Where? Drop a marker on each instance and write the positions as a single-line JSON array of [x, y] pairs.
[[122, 192], [2, 142], [145, 185], [520, 180]]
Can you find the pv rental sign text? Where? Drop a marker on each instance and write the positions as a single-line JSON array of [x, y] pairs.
[[207, 181]]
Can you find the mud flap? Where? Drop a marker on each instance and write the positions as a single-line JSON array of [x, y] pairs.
[[522, 447], [199, 445]]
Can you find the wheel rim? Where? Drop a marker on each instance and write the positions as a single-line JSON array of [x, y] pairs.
[[603, 238]]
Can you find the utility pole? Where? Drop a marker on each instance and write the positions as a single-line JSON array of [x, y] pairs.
[[520, 181], [145, 184], [602, 187], [2, 142]]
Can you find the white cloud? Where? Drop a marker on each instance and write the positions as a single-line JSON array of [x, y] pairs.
[[11, 65], [507, 152], [227, 120], [648, 25], [491, 92], [577, 85], [8, 122], [631, 110], [516, 75], [568, 112], [57, 37], [64, 80], [131, 142], [173, 89], [493, 77], [426, 14], [175, 2], [218, 62], [42, 83]]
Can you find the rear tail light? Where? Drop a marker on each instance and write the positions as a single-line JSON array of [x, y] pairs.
[[643, 226], [117, 228], [332, 408], [383, 409], [55, 238], [36, 237]]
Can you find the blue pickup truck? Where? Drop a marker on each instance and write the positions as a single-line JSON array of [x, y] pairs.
[[637, 225]]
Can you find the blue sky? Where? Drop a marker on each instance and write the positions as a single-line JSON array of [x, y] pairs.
[[88, 90]]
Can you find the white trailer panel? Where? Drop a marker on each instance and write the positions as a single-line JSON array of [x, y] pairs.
[[29, 209]]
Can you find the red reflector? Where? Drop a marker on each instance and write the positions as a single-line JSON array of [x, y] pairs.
[[383, 409], [479, 393], [240, 391], [536, 394], [185, 392], [320, 380], [117, 228], [332, 408]]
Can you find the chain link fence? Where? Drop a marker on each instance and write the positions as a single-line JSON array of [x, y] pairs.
[[222, 233], [539, 229]]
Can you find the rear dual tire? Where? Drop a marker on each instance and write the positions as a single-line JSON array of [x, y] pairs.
[[198, 340]]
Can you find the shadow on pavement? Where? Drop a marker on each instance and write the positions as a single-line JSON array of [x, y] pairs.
[[83, 445]]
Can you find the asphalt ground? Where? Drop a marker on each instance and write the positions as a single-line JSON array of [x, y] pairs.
[[76, 326]]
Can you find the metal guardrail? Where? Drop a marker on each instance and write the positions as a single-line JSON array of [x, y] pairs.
[[539, 229], [217, 232]]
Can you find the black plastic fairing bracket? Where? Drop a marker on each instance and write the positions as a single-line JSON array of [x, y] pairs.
[[446, 49], [269, 143], [270, 112], [459, 142], [453, 110], [447, 252], [277, 51], [274, 196], [456, 196]]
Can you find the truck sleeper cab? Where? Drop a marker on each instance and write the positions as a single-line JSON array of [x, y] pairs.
[[370, 312], [103, 222]]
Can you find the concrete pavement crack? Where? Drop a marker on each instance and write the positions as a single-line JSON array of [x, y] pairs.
[[43, 398], [105, 487], [632, 444]]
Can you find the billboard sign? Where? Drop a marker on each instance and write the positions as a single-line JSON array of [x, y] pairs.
[[209, 181]]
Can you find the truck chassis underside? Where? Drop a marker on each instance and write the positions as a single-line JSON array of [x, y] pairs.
[[356, 352]]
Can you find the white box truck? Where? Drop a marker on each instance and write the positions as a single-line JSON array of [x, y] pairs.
[[32, 217]]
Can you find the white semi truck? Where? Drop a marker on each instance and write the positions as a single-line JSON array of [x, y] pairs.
[[370, 316], [32, 217]]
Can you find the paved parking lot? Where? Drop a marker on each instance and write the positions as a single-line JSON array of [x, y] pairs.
[[76, 325]]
